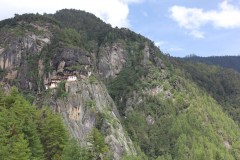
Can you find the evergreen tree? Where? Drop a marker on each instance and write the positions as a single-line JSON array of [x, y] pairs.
[[18, 138], [98, 146], [27, 133], [72, 151], [53, 134]]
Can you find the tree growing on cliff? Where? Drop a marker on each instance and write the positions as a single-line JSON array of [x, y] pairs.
[[98, 146]]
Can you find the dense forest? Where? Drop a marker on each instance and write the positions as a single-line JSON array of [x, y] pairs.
[[185, 118], [28, 132], [223, 84], [166, 108]]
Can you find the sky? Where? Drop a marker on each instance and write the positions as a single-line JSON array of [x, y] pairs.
[[177, 27]]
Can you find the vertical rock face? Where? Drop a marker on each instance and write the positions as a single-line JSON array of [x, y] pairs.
[[69, 60], [19, 48], [146, 55], [112, 60], [16, 54], [88, 106], [40, 68]]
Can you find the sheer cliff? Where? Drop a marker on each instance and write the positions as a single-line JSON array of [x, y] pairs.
[[35, 60]]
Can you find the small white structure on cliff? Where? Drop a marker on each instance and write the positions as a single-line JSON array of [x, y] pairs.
[[71, 78], [54, 81], [52, 85], [89, 73]]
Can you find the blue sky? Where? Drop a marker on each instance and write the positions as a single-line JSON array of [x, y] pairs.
[[178, 27], [207, 37]]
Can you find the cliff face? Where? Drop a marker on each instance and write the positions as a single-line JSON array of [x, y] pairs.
[[88, 105], [28, 60], [18, 47], [111, 60]]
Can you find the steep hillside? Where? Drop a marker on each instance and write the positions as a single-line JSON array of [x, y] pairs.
[[119, 95], [169, 116], [223, 61], [222, 84]]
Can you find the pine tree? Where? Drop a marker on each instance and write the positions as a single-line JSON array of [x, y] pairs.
[[72, 151], [53, 134], [98, 147]]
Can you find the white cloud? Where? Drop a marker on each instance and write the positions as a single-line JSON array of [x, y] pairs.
[[132, 1], [114, 12], [226, 16], [160, 43], [166, 47], [175, 49], [197, 33]]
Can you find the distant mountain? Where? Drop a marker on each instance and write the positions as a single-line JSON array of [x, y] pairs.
[[223, 61]]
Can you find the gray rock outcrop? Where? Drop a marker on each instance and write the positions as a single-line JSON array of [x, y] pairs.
[[81, 110], [111, 60]]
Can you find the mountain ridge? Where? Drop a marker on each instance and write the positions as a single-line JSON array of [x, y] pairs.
[[223, 61]]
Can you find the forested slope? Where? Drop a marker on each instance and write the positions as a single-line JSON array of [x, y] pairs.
[[28, 132], [170, 117], [221, 83]]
